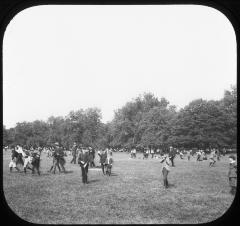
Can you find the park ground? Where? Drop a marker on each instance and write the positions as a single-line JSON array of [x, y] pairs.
[[133, 194]]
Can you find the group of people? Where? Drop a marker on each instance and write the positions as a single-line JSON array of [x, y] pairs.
[[84, 156], [29, 158], [167, 160]]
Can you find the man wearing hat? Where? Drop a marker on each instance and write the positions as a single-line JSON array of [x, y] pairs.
[[83, 161]]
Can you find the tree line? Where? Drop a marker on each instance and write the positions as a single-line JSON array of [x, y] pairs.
[[142, 122]]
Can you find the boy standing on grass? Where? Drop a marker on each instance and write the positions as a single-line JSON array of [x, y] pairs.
[[165, 169], [109, 163], [232, 174]]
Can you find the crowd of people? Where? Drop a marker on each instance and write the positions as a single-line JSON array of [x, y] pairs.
[[29, 158]]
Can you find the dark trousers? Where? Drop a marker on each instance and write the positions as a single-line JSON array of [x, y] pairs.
[[109, 169], [92, 164], [171, 159], [103, 166], [74, 159], [165, 174], [84, 173]]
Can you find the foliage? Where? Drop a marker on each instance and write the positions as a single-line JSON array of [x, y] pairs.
[[145, 121]]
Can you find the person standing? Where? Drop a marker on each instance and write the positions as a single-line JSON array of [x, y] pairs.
[[181, 154], [189, 154], [91, 157], [172, 154], [83, 161], [61, 160], [74, 153], [165, 169], [103, 157], [152, 153], [232, 174], [109, 163]]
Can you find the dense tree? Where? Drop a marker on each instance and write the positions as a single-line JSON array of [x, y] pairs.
[[145, 121]]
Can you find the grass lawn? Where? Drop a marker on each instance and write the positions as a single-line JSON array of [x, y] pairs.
[[133, 194]]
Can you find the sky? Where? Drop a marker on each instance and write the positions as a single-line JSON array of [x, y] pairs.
[[62, 58]]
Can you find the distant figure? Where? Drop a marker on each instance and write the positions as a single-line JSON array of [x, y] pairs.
[[218, 154], [172, 155], [145, 154], [212, 158], [152, 153], [198, 155], [91, 157], [204, 156], [74, 153], [181, 154], [109, 163], [134, 153], [189, 154], [165, 169], [232, 174]]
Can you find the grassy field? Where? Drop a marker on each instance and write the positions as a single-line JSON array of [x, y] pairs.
[[133, 194]]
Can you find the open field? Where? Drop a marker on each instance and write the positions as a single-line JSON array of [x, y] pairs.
[[133, 194]]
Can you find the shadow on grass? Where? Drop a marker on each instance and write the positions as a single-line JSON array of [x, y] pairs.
[[68, 171], [92, 181], [171, 185], [113, 174]]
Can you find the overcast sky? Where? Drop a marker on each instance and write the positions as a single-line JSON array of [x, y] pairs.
[[62, 58]]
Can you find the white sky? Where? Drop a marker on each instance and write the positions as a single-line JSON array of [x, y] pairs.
[[62, 58]]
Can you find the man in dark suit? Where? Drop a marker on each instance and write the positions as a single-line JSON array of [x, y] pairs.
[[103, 158], [83, 161]]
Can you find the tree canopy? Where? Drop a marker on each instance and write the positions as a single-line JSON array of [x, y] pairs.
[[144, 121]]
